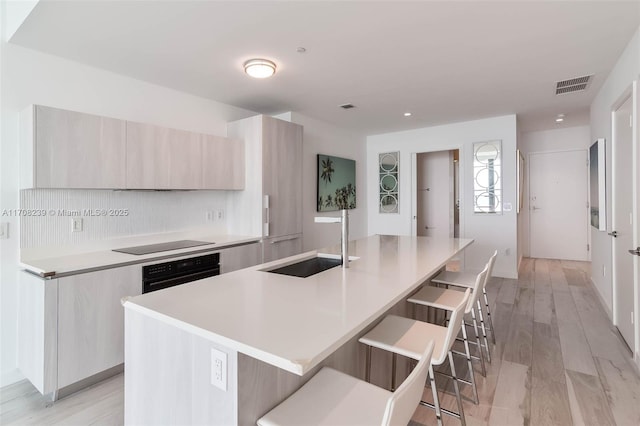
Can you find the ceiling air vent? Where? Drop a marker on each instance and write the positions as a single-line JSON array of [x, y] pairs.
[[347, 106], [571, 85]]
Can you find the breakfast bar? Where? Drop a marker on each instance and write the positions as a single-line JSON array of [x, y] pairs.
[[226, 349]]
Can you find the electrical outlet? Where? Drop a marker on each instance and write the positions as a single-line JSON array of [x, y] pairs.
[[219, 369], [76, 224], [4, 230], [210, 216], [220, 214]]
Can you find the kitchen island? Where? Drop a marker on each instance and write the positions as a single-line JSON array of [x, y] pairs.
[[275, 331]]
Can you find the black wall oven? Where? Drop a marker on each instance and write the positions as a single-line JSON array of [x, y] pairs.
[[163, 275]]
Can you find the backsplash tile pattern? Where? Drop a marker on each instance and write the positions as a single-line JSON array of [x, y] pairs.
[[148, 212]]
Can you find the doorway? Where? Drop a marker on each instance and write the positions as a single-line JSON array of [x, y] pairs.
[[622, 220], [558, 205], [437, 198]]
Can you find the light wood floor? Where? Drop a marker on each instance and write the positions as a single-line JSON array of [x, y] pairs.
[[558, 361]]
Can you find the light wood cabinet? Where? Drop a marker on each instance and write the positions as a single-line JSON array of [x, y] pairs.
[[222, 163], [91, 321], [74, 150], [163, 158], [282, 175], [279, 247], [67, 149], [240, 257]]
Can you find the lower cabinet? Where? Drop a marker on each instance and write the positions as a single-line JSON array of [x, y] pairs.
[[91, 321], [72, 328], [279, 247], [240, 257]]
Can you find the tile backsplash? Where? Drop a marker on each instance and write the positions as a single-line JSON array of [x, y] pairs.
[[47, 214]]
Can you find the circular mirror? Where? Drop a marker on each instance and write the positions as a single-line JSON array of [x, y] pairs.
[[486, 152], [388, 204], [388, 162], [483, 177], [388, 183]]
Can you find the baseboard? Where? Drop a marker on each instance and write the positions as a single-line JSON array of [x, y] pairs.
[[10, 377], [601, 300]]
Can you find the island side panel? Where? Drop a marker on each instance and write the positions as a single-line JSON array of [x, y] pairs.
[[168, 376], [262, 386]]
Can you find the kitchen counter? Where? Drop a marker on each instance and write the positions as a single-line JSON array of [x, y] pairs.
[[294, 323], [97, 258]]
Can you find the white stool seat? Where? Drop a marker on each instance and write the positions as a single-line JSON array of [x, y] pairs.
[[331, 398], [440, 298], [408, 338], [460, 279]]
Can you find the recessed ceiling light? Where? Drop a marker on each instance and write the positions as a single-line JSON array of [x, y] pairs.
[[560, 118], [407, 114], [259, 68]]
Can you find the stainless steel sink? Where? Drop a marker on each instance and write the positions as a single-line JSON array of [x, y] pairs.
[[308, 267]]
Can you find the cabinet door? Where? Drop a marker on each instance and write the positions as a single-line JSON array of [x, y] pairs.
[[76, 150], [235, 258], [163, 158], [281, 247], [91, 321], [282, 175], [222, 163]]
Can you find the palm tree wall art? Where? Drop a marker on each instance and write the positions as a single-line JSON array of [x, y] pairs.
[[336, 183]]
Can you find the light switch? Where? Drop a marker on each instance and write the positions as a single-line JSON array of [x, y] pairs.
[[76, 224]]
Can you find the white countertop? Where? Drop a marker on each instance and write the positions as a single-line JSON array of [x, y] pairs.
[[75, 263], [294, 323]]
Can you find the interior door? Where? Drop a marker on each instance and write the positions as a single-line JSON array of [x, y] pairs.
[[622, 220], [435, 194], [558, 217]]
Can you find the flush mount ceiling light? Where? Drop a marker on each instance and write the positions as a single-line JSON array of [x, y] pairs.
[[259, 68], [560, 118], [407, 114]]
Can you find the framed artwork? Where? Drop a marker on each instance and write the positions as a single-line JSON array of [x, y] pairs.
[[336, 183], [597, 188], [388, 175]]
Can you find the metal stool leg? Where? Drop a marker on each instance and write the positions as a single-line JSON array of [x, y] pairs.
[[436, 401], [456, 387], [394, 359], [470, 365], [367, 373], [478, 344], [489, 321], [484, 332]]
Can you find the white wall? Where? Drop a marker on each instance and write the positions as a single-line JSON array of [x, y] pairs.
[[490, 232], [626, 70], [323, 138], [617, 85], [562, 139], [30, 77]]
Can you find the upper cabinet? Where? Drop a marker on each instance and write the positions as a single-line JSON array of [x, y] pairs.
[[282, 175], [162, 158], [67, 149], [222, 163]]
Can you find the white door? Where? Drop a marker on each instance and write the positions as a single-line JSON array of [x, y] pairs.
[[622, 226], [558, 209], [435, 194]]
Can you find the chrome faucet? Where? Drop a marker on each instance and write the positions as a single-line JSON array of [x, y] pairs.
[[344, 219]]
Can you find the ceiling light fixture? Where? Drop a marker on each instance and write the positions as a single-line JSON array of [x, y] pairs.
[[407, 114], [560, 118], [259, 68]]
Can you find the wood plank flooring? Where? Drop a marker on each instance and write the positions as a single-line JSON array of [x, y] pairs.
[[557, 361]]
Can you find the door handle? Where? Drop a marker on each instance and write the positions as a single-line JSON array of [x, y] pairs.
[[614, 234], [636, 251]]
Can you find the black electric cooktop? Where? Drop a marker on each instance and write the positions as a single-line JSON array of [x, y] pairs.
[[155, 248]]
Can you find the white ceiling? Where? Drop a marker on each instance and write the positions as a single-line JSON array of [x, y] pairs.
[[443, 61]]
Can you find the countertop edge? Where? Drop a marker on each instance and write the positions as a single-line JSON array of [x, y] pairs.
[[49, 274]]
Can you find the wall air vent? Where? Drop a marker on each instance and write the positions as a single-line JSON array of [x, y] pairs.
[[571, 85], [347, 106]]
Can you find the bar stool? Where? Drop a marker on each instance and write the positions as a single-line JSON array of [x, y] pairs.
[[408, 337], [446, 299], [334, 398], [467, 280]]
